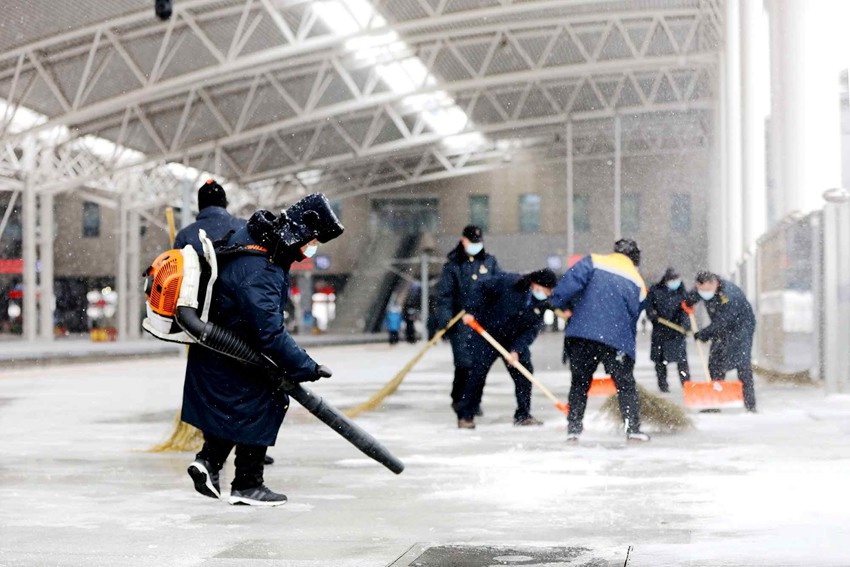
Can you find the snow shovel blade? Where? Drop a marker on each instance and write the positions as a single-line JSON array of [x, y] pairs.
[[602, 386], [716, 394]]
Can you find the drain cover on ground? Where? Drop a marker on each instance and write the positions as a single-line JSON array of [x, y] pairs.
[[492, 556]]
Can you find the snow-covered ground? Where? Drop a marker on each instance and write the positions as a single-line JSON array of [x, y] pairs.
[[78, 488]]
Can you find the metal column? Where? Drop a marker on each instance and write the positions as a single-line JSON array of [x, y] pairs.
[[424, 263], [732, 98], [134, 285], [121, 269], [47, 300], [618, 174], [28, 221], [755, 106], [571, 230]]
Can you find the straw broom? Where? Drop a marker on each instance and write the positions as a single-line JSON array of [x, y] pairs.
[[185, 437], [391, 386], [654, 410]]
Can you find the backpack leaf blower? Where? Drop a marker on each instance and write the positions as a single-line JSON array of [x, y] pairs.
[[173, 285]]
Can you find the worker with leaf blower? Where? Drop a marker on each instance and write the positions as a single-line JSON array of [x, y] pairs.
[[664, 309], [606, 293], [731, 331], [509, 307], [467, 264], [240, 406]]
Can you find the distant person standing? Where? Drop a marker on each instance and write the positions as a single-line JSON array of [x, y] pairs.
[[467, 264], [606, 293], [731, 331], [393, 322], [212, 217], [664, 301]]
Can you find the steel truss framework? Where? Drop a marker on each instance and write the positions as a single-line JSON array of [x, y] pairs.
[[256, 92]]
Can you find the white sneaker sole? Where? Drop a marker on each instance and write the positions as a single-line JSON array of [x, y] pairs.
[[242, 501], [201, 477]]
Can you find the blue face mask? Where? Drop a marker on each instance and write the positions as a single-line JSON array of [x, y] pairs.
[[706, 295], [474, 248], [674, 284], [310, 251], [539, 295]]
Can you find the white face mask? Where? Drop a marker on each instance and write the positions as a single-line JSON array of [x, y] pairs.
[[539, 295], [706, 295], [310, 251], [674, 284], [474, 248]]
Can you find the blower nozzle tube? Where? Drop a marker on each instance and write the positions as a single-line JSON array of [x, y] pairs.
[[224, 342]]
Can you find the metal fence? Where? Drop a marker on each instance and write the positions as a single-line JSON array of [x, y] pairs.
[[798, 279]]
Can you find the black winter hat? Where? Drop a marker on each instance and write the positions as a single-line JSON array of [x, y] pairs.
[[473, 233], [544, 277], [628, 247], [211, 194], [670, 274]]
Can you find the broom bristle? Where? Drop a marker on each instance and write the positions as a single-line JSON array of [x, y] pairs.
[[654, 410], [184, 438], [801, 378]]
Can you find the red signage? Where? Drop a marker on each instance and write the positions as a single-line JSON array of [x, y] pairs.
[[12, 266], [304, 265]]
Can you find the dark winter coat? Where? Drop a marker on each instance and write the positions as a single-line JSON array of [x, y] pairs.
[[607, 293], [512, 316], [733, 324], [215, 221], [460, 273], [668, 345], [221, 396]]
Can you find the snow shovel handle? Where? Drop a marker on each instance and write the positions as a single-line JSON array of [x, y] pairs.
[[476, 326], [672, 325], [695, 327]]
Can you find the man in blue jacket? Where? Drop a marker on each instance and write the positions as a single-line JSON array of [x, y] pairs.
[[731, 331], [236, 405], [509, 307], [466, 265], [606, 292], [212, 217]]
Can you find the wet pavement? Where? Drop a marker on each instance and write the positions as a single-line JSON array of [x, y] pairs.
[[77, 486]]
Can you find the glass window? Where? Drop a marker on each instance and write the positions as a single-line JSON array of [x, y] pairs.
[[680, 213], [529, 212], [91, 220], [630, 214], [581, 213], [479, 211]]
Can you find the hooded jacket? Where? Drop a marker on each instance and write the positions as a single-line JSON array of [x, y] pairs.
[[215, 221]]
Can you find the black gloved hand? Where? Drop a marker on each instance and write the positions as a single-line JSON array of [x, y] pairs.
[[700, 336]]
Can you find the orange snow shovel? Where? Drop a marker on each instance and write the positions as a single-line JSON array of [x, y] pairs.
[[561, 406], [711, 394]]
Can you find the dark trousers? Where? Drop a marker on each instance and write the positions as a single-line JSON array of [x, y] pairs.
[[726, 355], [459, 384], [249, 460], [585, 356], [661, 373], [393, 337], [484, 357]]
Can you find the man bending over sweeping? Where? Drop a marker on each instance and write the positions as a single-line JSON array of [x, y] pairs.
[[510, 307], [733, 325], [234, 404], [607, 294]]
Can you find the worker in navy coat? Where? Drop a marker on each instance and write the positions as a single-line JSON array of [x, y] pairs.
[[466, 265], [231, 403], [509, 307]]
